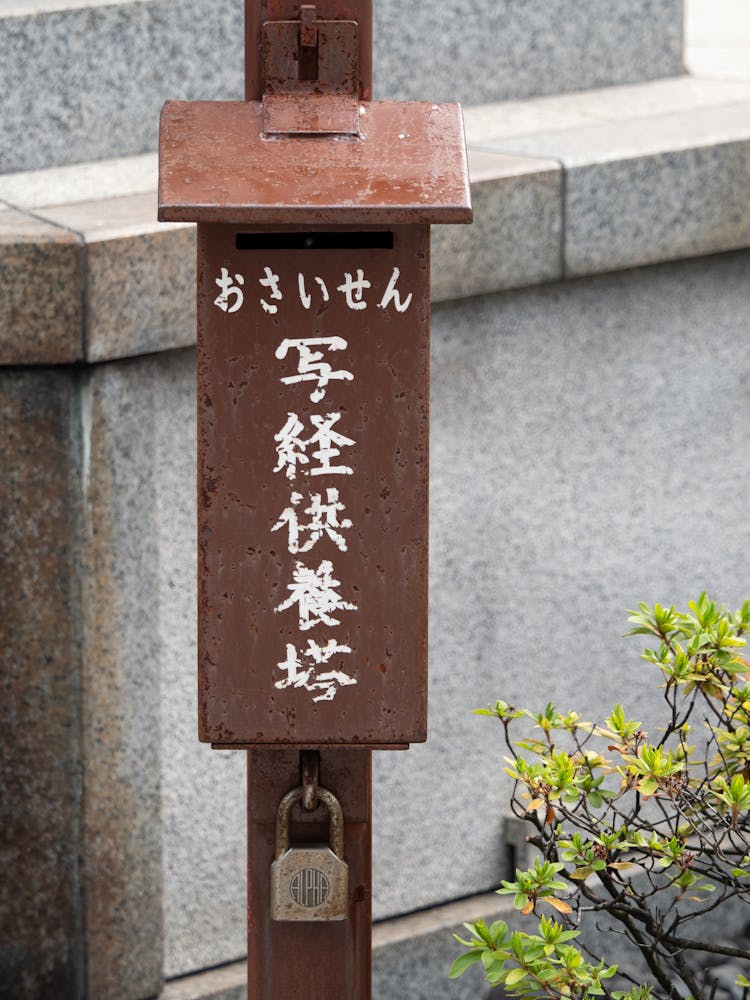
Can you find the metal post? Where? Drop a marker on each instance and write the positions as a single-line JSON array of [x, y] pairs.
[[314, 961], [309, 961]]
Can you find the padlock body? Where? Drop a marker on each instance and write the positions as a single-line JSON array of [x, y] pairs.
[[309, 883]]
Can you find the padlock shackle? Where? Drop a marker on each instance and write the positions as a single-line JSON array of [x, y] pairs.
[[336, 830]]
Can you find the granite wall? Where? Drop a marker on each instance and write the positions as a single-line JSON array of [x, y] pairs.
[[585, 443], [41, 928]]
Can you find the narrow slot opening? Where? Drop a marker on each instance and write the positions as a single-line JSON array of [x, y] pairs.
[[308, 62], [376, 240]]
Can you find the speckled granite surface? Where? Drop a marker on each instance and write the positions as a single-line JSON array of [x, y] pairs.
[[87, 82]]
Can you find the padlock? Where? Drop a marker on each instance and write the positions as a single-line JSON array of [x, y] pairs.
[[309, 882]]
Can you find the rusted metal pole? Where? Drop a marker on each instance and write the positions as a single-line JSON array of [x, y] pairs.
[[309, 961], [321, 960]]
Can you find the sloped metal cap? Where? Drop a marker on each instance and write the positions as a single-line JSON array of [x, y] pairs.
[[407, 164]]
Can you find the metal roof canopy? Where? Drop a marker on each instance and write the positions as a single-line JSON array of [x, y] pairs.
[[405, 164]]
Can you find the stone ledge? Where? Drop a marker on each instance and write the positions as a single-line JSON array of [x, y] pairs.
[[642, 187], [41, 274], [562, 186], [411, 956]]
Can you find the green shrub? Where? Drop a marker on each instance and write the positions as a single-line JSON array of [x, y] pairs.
[[652, 833]]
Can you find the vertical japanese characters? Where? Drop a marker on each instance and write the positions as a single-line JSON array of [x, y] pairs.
[[315, 456]]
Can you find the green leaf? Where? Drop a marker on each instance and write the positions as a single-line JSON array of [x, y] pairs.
[[499, 930], [487, 959], [515, 976], [546, 975], [463, 962], [647, 786], [474, 943]]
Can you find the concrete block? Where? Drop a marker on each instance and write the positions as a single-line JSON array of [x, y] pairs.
[[180, 881], [139, 290], [563, 491], [121, 711], [649, 189], [649, 172], [486, 123], [41, 933], [515, 238], [40, 275], [567, 425], [140, 276], [675, 204], [203, 790]]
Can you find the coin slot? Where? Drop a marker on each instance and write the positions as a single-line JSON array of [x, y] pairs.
[[375, 240]]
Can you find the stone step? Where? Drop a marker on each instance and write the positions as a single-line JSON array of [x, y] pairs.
[[562, 186], [85, 79]]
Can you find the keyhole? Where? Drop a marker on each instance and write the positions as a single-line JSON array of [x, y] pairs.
[[308, 62]]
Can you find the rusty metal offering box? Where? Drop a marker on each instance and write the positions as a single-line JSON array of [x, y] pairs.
[[313, 433], [313, 392]]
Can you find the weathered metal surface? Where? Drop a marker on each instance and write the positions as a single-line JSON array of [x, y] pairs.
[[308, 32], [317, 961], [260, 12], [309, 114], [407, 165], [313, 393], [310, 763], [335, 813], [309, 883], [330, 69]]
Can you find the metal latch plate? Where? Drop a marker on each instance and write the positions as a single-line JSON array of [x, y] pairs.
[[310, 114], [336, 58]]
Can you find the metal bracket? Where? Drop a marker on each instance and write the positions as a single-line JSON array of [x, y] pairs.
[[310, 76], [287, 50], [266, 43]]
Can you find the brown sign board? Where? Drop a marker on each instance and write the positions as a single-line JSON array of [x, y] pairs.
[[313, 395]]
